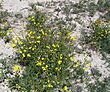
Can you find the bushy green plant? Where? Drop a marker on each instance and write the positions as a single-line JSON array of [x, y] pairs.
[[99, 37], [4, 25], [100, 86], [45, 58]]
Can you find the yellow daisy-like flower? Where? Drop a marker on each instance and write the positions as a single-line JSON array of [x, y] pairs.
[[29, 35], [42, 31], [30, 32], [42, 58], [38, 41], [28, 55], [69, 33], [30, 47], [18, 86], [72, 58], [13, 45], [59, 62], [20, 42], [70, 91], [33, 49], [48, 47], [54, 45], [23, 55], [45, 67], [32, 37], [48, 81], [85, 68], [58, 82], [77, 64], [39, 63], [46, 34], [73, 37], [19, 51], [57, 45], [50, 85], [34, 23], [61, 56], [89, 64], [38, 37], [16, 68], [65, 88], [24, 50], [58, 69], [14, 40]]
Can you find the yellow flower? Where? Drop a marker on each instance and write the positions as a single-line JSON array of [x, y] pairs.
[[85, 68], [65, 88], [59, 33], [48, 80], [20, 42], [69, 33], [73, 38], [19, 51], [106, 31], [24, 50], [46, 34], [48, 47], [38, 41], [89, 65], [16, 68], [58, 82], [43, 68], [77, 64], [33, 49], [59, 62], [13, 45], [40, 25], [61, 56], [29, 35], [23, 55], [39, 63], [32, 17], [70, 91], [28, 55], [14, 40], [30, 47], [42, 58], [50, 85], [34, 23], [18, 86], [57, 45], [32, 37], [46, 66], [58, 69], [72, 58], [38, 37], [30, 32], [49, 30], [53, 45], [42, 32]]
